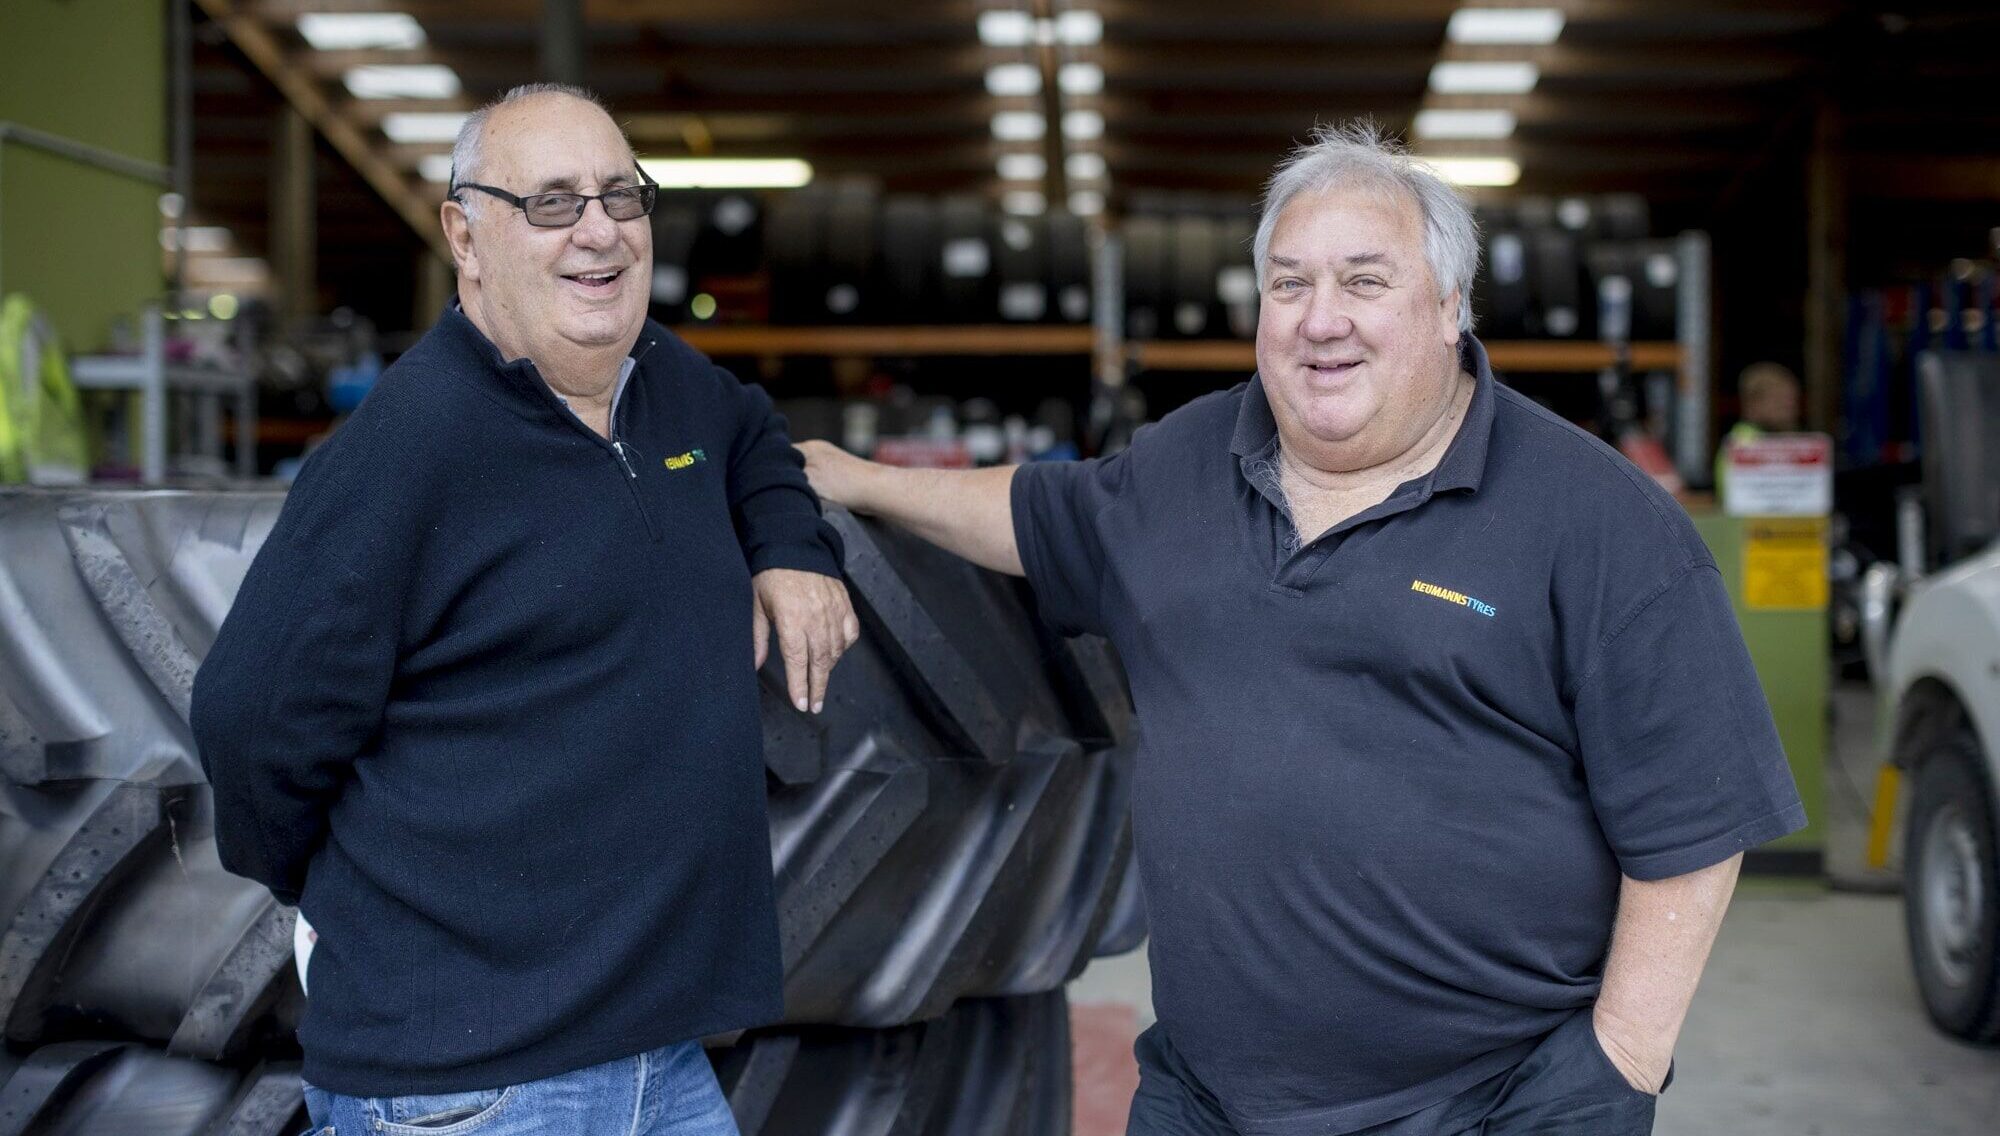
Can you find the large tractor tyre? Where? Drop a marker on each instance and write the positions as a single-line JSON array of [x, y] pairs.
[[115, 1088], [953, 826], [1951, 892], [994, 1067], [988, 1067]]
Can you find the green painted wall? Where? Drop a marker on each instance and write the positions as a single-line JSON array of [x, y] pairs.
[[83, 242], [1791, 653]]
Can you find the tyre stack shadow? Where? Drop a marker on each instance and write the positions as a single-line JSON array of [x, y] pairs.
[[949, 839]]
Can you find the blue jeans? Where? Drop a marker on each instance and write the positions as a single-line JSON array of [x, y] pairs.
[[668, 1092]]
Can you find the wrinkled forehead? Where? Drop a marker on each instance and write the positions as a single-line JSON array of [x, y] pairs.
[[1384, 217], [555, 143]]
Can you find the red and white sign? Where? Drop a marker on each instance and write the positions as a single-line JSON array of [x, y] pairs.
[[1779, 475]]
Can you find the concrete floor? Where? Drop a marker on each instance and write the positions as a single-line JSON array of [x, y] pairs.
[[1807, 1022]]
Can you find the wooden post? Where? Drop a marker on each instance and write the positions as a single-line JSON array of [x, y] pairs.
[[1826, 269], [294, 239]]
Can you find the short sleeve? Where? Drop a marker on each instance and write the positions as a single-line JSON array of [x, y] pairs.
[[1056, 511], [1681, 758]]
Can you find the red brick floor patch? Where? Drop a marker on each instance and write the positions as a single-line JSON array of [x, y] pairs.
[[1101, 1037]]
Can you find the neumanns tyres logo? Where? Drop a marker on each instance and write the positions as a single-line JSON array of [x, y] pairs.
[[1449, 596]]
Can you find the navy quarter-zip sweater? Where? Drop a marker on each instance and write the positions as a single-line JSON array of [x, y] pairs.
[[485, 707]]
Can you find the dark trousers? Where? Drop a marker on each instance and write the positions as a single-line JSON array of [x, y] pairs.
[[1565, 1086]]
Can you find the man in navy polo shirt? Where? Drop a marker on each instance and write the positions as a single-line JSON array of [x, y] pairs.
[[1451, 746]]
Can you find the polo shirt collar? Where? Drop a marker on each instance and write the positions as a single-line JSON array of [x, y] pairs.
[[1463, 464]]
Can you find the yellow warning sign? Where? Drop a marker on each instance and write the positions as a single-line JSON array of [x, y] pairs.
[[1784, 563]]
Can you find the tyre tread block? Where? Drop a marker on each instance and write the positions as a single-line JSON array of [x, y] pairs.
[[988, 1067], [102, 847], [227, 1007], [829, 840]]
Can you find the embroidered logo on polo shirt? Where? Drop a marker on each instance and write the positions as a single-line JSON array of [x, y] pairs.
[[1449, 596], [682, 461]]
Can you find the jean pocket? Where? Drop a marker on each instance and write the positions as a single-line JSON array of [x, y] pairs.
[[439, 1114], [1608, 1070]]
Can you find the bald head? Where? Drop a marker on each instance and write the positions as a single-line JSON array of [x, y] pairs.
[[468, 153]]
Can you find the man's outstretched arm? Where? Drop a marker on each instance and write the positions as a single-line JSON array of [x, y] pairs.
[[967, 512]]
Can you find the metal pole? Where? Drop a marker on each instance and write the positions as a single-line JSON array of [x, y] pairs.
[[1691, 394], [183, 130], [562, 40]]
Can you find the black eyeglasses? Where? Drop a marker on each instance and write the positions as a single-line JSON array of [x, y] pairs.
[[561, 210]]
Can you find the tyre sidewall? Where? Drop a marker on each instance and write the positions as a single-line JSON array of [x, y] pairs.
[[1954, 773]]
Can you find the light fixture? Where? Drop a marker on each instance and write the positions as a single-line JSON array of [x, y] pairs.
[[1084, 165], [425, 126], [1476, 171], [1019, 126], [1080, 79], [1006, 28], [198, 238], [1083, 125], [1079, 28], [1459, 77], [357, 31], [402, 81], [1024, 202], [435, 167], [1464, 123], [1504, 25], [1086, 202], [1023, 167], [728, 173], [1013, 79]]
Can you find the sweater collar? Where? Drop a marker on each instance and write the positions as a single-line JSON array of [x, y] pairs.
[[462, 339]]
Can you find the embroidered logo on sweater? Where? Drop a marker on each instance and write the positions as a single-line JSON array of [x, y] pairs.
[[682, 461], [1449, 596]]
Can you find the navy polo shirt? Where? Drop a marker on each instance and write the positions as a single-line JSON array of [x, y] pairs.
[[1388, 780]]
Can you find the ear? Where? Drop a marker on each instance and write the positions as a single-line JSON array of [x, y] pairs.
[[458, 234], [1448, 317]]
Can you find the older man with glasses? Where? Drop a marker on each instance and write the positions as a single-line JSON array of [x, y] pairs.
[[486, 706]]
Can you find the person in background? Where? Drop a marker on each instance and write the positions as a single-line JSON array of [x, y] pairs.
[[1450, 745], [486, 706], [1771, 400]]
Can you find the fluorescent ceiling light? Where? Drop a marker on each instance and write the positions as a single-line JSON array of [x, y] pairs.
[[1086, 203], [1024, 202], [1465, 123], [1083, 125], [1504, 25], [1006, 28], [1084, 166], [356, 31], [1457, 77], [728, 173], [435, 167], [426, 127], [1080, 79], [1023, 167], [1078, 28], [1013, 79], [1019, 126], [1476, 171], [400, 81]]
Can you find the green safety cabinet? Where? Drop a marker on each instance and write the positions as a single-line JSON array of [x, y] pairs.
[[1776, 571]]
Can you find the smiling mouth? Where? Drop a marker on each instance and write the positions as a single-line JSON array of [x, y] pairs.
[[1331, 370], [596, 281]]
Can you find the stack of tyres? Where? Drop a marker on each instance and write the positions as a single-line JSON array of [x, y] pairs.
[[911, 265], [1148, 295], [1024, 269], [1069, 268], [1647, 274], [966, 262], [950, 846]]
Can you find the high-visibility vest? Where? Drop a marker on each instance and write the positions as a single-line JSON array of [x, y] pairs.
[[41, 418]]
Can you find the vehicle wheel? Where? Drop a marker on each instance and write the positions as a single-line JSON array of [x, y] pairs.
[[1951, 892]]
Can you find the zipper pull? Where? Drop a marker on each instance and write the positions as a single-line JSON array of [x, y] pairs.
[[619, 449]]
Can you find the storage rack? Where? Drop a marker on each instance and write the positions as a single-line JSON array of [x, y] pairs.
[[150, 374]]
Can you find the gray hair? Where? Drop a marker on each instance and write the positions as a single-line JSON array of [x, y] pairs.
[[1358, 154], [466, 151]]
